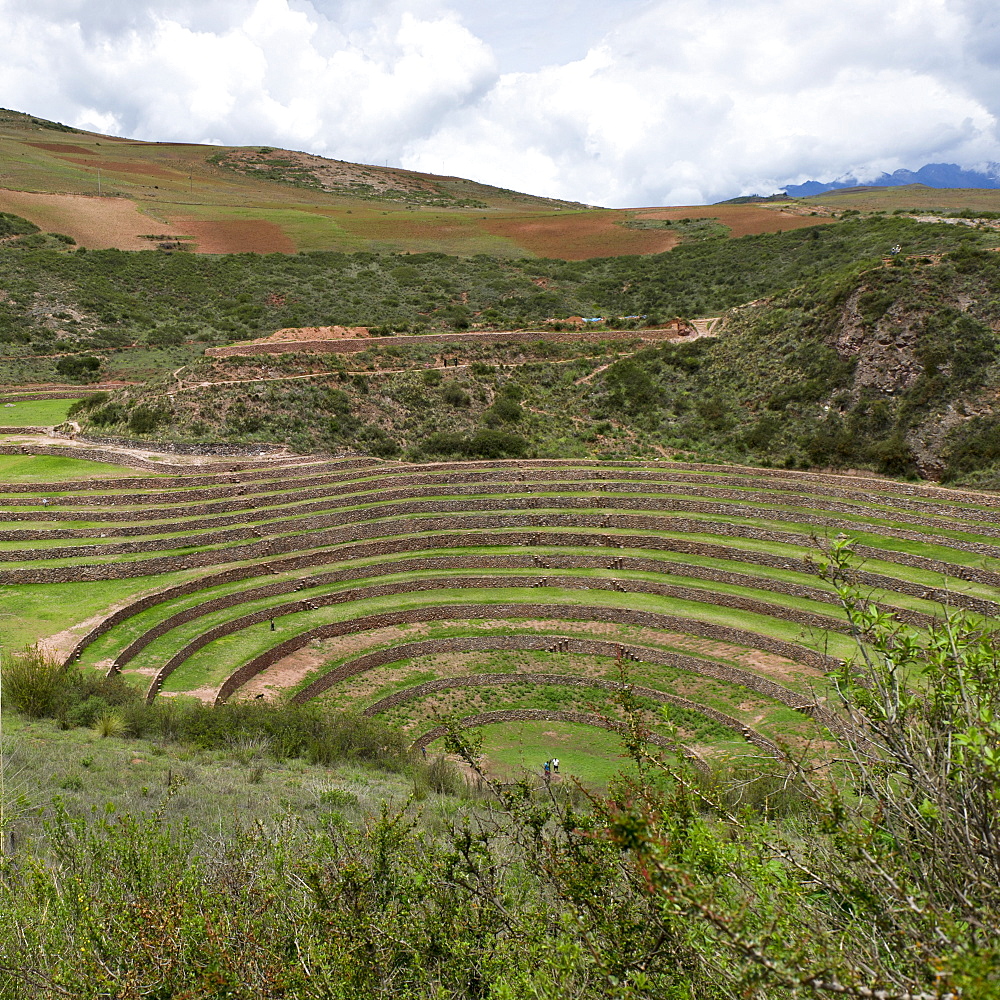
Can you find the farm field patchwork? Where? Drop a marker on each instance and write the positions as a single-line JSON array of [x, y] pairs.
[[510, 596]]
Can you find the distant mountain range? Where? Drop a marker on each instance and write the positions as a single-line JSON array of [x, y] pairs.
[[935, 175]]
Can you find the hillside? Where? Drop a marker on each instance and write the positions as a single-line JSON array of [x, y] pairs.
[[839, 359], [290, 625], [106, 191]]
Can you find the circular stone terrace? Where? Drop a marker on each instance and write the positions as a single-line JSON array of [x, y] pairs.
[[528, 598]]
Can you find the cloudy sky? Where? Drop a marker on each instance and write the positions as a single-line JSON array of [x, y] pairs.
[[611, 102]]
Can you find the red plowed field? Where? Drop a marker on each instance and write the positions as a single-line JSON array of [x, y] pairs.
[[234, 235], [580, 236], [123, 167]]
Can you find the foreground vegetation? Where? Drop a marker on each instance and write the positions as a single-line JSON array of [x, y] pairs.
[[874, 874]]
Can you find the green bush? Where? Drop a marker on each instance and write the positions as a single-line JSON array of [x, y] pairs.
[[79, 368], [88, 403], [504, 410], [35, 684], [14, 225], [454, 395], [145, 419]]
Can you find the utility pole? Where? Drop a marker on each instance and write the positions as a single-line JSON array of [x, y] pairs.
[[99, 182]]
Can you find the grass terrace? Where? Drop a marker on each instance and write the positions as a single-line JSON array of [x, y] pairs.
[[400, 590]]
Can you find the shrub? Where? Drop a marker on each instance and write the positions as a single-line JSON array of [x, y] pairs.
[[87, 712], [497, 444], [164, 336], [113, 413], [454, 395], [504, 410], [109, 723], [439, 775], [87, 403], [34, 683], [79, 368], [444, 443], [14, 225], [145, 419]]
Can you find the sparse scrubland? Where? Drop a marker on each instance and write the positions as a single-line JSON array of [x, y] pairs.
[[859, 365]]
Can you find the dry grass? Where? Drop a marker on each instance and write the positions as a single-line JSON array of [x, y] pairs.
[[98, 223]]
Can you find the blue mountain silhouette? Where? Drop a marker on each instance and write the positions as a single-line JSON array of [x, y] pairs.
[[935, 175]]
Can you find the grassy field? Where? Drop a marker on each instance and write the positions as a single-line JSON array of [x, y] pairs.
[[49, 468], [585, 754], [213, 791], [34, 412]]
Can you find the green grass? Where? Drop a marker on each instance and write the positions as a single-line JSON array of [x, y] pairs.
[[34, 611], [587, 754], [34, 412], [590, 755], [211, 664], [55, 468]]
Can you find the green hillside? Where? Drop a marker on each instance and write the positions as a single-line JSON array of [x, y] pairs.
[[276, 703], [841, 359]]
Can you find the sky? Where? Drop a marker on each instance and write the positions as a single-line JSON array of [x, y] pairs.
[[621, 103]]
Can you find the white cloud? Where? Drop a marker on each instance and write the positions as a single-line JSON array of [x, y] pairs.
[[276, 71], [695, 103], [645, 102]]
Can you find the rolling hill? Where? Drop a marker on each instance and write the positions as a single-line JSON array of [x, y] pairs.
[[106, 191]]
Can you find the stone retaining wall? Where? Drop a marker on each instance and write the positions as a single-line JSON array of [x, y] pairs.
[[553, 644], [842, 484], [869, 481], [271, 546], [184, 448], [732, 601], [506, 561], [498, 561], [564, 680], [498, 612], [274, 545], [364, 550], [666, 521], [354, 345], [606, 494]]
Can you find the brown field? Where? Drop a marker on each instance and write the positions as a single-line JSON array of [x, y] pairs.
[[99, 223], [233, 235], [301, 333], [62, 147], [123, 166], [580, 235]]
